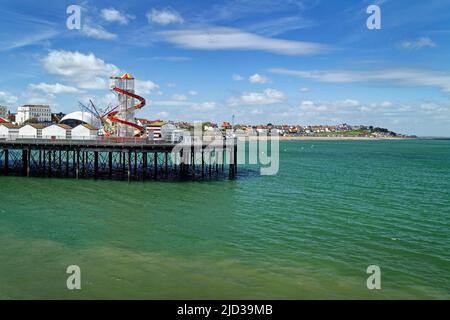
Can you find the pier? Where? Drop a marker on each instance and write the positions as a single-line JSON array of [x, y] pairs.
[[129, 160]]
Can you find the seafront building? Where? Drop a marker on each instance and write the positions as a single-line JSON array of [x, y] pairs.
[[78, 117], [8, 130], [57, 131], [38, 113], [84, 132], [31, 131]]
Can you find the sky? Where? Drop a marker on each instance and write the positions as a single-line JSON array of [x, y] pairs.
[[265, 61]]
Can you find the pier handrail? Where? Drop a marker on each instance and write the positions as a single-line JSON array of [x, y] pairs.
[[102, 141]]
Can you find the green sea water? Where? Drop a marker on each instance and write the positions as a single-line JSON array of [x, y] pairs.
[[334, 208]]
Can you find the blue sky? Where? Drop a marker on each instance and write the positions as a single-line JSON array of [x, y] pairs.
[[286, 62]]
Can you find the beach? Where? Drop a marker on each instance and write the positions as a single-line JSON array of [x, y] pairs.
[[312, 138]]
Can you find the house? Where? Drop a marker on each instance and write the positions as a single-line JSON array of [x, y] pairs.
[[31, 131], [211, 127], [262, 130], [153, 128], [226, 125], [56, 131], [170, 132], [240, 133], [84, 132], [8, 130], [167, 131], [276, 132]]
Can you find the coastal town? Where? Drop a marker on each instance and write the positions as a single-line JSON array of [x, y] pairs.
[[38, 121]]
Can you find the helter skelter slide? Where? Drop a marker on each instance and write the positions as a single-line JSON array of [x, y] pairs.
[[122, 117]]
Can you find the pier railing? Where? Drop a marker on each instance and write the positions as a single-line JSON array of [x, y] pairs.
[[102, 141]]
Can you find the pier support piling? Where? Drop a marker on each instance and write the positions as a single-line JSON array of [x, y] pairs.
[[123, 160]]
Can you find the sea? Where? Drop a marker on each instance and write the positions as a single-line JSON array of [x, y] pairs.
[[311, 231]]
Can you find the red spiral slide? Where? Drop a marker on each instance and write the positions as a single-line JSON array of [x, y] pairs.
[[112, 115]]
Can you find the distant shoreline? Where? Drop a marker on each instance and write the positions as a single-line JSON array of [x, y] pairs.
[[306, 138]]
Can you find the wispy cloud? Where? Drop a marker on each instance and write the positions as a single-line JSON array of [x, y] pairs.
[[7, 98], [237, 9], [28, 40], [53, 88], [164, 17], [279, 26], [113, 15], [268, 96], [97, 32], [417, 44], [404, 77], [22, 30], [219, 38], [204, 106], [145, 87], [237, 77], [258, 79], [171, 103], [179, 97]]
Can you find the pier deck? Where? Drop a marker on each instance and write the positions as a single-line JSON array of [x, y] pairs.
[[133, 159]]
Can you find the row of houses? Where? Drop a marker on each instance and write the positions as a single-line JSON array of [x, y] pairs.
[[167, 131], [55, 131]]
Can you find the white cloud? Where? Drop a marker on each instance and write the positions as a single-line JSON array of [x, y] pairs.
[[108, 99], [268, 96], [179, 97], [236, 77], [332, 108], [376, 113], [193, 93], [164, 17], [33, 97], [217, 38], [97, 32], [435, 110], [205, 106], [259, 79], [113, 15], [53, 88], [7, 98], [162, 114], [304, 90], [172, 103], [145, 87], [417, 44], [349, 103], [404, 77], [85, 71], [256, 112]]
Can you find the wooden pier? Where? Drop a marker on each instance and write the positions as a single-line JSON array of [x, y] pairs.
[[130, 160]]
